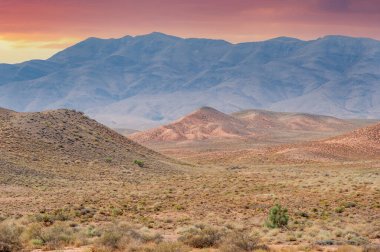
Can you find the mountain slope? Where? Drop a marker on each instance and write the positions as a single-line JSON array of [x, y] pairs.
[[204, 123], [208, 123], [268, 120], [65, 140], [362, 144], [145, 81]]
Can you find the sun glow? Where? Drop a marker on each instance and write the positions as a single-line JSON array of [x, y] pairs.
[[16, 51]]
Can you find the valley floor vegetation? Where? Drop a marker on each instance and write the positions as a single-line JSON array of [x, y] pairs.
[[67, 181], [294, 207]]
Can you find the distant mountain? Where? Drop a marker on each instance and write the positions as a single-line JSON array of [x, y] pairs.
[[145, 81], [204, 123], [209, 123], [261, 120]]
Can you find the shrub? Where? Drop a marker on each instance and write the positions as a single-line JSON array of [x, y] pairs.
[[140, 163], [50, 218], [339, 209], [116, 211], [240, 242], [112, 239], [201, 236], [10, 237], [278, 217], [349, 204], [171, 247], [57, 236], [304, 215], [118, 237]]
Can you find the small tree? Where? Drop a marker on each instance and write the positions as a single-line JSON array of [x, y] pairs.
[[278, 217]]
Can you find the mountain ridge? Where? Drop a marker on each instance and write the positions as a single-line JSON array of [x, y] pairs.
[[145, 81], [207, 123]]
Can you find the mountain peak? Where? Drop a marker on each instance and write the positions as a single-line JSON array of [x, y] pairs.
[[158, 35], [207, 108], [285, 39], [204, 123]]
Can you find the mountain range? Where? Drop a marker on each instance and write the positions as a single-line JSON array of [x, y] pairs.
[[145, 81]]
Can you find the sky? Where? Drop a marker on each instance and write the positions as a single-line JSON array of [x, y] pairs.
[[36, 29]]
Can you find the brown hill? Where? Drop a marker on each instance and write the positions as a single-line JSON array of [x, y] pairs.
[[65, 138], [205, 123], [268, 120], [256, 125], [361, 144]]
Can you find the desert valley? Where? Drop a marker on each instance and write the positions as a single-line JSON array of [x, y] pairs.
[[206, 181], [189, 126]]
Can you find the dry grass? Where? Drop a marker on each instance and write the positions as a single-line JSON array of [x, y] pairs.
[[48, 204]]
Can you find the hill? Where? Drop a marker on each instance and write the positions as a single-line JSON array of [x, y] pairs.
[[268, 120], [150, 80], [361, 144], [204, 123], [62, 141], [256, 125]]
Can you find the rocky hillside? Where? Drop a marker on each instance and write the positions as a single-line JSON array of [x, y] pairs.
[[209, 123], [59, 139], [204, 123]]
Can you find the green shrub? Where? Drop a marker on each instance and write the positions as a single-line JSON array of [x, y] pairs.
[[278, 217], [339, 209], [140, 163]]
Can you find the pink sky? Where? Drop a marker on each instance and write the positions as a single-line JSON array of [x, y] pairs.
[[38, 28]]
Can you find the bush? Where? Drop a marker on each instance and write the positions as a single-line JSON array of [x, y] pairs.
[[118, 237], [349, 204], [171, 247], [56, 236], [339, 209], [10, 237], [240, 242], [278, 217], [112, 239], [140, 163], [201, 236]]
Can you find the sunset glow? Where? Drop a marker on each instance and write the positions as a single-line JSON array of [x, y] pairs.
[[39, 28]]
